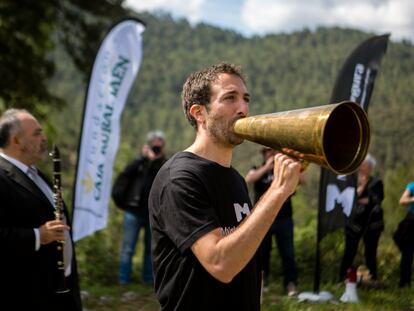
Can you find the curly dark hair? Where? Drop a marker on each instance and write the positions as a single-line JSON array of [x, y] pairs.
[[197, 87]]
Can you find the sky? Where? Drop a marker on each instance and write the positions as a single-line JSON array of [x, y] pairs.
[[261, 17]]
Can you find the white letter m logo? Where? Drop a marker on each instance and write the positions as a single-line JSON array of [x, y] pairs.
[[344, 198], [239, 210]]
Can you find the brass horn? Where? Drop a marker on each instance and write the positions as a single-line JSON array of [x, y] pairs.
[[335, 136]]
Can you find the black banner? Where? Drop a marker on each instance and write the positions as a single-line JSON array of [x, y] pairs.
[[355, 82], [337, 193]]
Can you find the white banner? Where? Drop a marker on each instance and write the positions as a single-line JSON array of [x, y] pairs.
[[115, 68]]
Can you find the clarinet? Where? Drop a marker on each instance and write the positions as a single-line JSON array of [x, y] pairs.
[[58, 203]]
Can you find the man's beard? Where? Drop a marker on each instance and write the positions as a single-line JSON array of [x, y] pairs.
[[43, 151], [221, 131], [39, 153]]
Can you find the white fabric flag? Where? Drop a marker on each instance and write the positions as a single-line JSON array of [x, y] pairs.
[[115, 68]]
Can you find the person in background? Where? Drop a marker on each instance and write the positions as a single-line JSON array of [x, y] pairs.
[[130, 193], [282, 227], [404, 237], [28, 230], [205, 232], [366, 221]]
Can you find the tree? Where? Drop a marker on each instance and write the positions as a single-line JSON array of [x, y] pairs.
[[29, 31], [26, 30], [81, 27]]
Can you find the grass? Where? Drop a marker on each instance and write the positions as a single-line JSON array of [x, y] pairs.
[[119, 298], [141, 298], [99, 266]]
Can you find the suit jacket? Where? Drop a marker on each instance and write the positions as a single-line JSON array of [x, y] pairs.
[[28, 278]]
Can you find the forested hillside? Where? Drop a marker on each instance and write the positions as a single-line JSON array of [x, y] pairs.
[[284, 72]]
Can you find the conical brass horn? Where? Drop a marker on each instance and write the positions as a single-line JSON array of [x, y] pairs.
[[335, 136]]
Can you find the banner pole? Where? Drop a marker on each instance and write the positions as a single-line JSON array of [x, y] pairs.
[[317, 275]]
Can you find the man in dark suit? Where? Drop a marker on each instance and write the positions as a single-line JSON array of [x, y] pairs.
[[28, 229]]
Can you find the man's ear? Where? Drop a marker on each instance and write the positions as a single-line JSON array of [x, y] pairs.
[[14, 140], [198, 112]]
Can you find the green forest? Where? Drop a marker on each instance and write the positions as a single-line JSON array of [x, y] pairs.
[[48, 51]]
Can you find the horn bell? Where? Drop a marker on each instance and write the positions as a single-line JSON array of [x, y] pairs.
[[335, 136]]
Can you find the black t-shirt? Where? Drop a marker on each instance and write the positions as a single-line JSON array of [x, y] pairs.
[[190, 197], [261, 186]]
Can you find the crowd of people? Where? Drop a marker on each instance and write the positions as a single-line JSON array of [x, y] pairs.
[[210, 245]]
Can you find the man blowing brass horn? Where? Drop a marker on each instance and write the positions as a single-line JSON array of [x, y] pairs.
[[205, 232]]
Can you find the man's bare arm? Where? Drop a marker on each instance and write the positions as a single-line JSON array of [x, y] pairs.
[[225, 256], [406, 198]]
